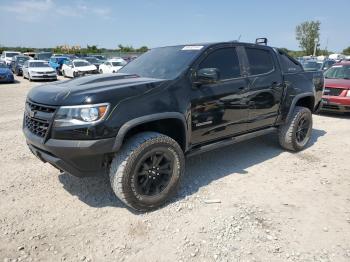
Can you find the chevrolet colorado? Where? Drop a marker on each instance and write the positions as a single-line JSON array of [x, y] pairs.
[[139, 124]]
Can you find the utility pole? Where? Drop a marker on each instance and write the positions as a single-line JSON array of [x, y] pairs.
[[316, 42]]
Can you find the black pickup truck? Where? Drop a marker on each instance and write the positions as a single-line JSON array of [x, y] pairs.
[[139, 124]]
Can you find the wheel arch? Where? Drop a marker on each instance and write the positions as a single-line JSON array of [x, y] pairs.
[[305, 100], [172, 124]]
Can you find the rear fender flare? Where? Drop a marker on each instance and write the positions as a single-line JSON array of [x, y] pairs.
[[294, 102]]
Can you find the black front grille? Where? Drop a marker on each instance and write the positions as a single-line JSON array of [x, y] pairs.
[[41, 108], [37, 118], [330, 91], [37, 127]]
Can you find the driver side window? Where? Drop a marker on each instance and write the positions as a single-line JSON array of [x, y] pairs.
[[225, 60]]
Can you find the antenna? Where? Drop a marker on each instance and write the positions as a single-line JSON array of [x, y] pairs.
[[239, 38]]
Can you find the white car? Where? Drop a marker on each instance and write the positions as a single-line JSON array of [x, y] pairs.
[[112, 65], [78, 67], [6, 56], [38, 69]]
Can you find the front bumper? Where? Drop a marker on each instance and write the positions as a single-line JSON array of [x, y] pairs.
[[335, 104], [43, 76], [6, 79], [80, 158]]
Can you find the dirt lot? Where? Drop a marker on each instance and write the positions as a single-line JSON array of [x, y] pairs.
[[270, 205]]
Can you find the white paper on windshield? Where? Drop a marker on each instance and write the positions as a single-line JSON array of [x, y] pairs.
[[192, 47]]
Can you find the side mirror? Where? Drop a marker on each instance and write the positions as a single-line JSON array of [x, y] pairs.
[[207, 76]]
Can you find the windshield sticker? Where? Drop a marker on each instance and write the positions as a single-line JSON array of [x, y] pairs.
[[192, 47]]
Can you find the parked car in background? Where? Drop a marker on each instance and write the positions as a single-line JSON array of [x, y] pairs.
[[312, 65], [56, 62], [17, 63], [43, 56], [327, 64], [336, 96], [99, 57], [93, 60], [6, 56], [112, 65], [31, 54], [38, 70], [78, 67], [6, 75]]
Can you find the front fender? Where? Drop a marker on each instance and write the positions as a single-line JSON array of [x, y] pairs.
[[145, 119]]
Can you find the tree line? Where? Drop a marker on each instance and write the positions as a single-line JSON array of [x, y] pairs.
[[89, 49]]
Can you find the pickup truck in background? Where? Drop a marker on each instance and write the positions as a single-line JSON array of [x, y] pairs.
[[139, 124]]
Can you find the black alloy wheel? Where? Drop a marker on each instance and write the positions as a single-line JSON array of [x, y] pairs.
[[302, 129], [153, 172]]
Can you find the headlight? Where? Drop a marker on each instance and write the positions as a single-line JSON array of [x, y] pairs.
[[33, 72], [348, 93], [80, 115]]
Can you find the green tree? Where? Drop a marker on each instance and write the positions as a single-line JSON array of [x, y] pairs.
[[142, 49], [307, 33], [346, 51]]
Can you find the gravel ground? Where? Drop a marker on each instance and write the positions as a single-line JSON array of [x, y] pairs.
[[248, 202]]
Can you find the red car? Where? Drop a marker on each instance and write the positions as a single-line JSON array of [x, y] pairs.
[[336, 96]]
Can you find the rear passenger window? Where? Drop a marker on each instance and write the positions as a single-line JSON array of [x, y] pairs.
[[225, 60], [260, 61], [288, 65]]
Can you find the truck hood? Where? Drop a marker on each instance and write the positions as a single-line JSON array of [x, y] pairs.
[[93, 89], [337, 83]]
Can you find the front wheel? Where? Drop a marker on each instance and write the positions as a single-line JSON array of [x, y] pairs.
[[295, 134], [146, 172]]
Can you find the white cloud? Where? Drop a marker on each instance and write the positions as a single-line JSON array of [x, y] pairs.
[[39, 10]]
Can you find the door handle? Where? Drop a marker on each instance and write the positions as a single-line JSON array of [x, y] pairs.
[[241, 87]]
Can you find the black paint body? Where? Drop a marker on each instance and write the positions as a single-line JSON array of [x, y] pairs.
[[206, 113]]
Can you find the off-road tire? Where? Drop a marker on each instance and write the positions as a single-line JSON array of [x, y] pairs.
[[123, 170], [287, 132]]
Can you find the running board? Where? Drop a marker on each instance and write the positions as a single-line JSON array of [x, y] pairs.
[[231, 140]]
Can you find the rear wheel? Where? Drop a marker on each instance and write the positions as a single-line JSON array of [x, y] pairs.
[[146, 172], [295, 134]]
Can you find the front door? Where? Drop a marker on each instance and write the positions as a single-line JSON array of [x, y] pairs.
[[216, 108]]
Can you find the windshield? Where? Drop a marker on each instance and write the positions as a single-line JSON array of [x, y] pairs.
[[11, 54], [165, 62], [81, 63], [119, 63], [44, 56], [22, 59], [312, 66], [38, 64], [338, 72], [93, 60]]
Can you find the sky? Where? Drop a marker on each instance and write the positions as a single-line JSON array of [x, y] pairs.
[[107, 23]]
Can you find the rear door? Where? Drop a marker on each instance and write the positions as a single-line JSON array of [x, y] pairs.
[[265, 82], [216, 108]]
